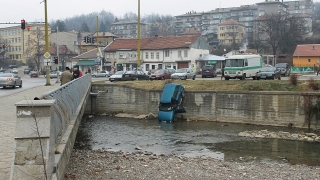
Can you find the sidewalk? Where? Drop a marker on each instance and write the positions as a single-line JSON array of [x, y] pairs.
[[8, 123]]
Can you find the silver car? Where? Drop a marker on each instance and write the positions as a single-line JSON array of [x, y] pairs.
[[184, 74], [11, 80], [101, 74]]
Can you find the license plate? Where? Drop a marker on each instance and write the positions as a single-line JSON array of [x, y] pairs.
[[263, 76]]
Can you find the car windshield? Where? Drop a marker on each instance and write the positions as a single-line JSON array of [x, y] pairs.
[[267, 69], [130, 72], [234, 62], [161, 71], [207, 67], [119, 72], [281, 65], [165, 107], [5, 75], [181, 71]]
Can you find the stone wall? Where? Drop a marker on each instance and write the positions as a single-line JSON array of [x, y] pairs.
[[264, 108]]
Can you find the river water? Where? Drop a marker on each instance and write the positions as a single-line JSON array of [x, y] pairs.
[[194, 139]]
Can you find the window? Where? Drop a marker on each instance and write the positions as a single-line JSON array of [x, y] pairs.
[[157, 55], [152, 55], [74, 42], [185, 53], [147, 67], [179, 54], [222, 28], [309, 60], [166, 53], [147, 55], [153, 67]]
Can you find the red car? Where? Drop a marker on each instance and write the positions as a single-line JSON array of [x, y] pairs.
[[33, 74], [162, 74]]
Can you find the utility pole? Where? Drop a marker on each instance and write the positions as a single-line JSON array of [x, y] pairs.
[[58, 78], [138, 61], [47, 41]]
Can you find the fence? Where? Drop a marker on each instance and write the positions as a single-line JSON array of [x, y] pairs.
[[303, 70], [68, 98]]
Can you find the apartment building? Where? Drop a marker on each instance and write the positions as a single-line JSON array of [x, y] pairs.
[[190, 20], [231, 32], [245, 14], [300, 7], [16, 41], [128, 29]]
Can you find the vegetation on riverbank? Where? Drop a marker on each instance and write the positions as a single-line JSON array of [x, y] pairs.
[[232, 85]]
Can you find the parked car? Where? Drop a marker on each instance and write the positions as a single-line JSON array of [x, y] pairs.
[[184, 74], [269, 73], [134, 75], [162, 74], [116, 77], [14, 70], [208, 71], [284, 68], [102, 73], [54, 74], [34, 74], [26, 70], [10, 79], [4, 71], [171, 102]]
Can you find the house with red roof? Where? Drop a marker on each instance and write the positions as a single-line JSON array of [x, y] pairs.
[[306, 55], [156, 52]]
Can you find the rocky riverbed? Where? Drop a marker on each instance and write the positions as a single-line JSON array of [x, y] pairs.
[[103, 164], [310, 137]]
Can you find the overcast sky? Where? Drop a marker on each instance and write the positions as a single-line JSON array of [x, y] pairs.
[[33, 10]]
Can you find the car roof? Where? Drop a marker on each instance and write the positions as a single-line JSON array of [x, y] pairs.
[[167, 92]]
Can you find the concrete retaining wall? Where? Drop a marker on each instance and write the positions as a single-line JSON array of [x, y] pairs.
[[265, 108]]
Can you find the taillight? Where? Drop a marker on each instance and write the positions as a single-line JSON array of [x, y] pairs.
[[9, 79]]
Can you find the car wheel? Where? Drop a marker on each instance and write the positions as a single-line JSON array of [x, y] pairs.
[[186, 78], [20, 86], [194, 77], [14, 86], [279, 77], [273, 77], [243, 77], [4, 87], [202, 76], [226, 78]]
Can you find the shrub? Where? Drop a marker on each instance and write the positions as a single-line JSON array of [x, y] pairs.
[[313, 84], [293, 79]]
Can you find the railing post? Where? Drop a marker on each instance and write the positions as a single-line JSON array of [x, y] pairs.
[[35, 126]]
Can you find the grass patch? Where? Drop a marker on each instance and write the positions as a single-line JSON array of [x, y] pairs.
[[233, 85]]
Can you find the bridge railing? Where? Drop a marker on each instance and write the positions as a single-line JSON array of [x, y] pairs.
[[68, 97]]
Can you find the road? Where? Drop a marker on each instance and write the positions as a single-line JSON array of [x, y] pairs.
[[27, 83]]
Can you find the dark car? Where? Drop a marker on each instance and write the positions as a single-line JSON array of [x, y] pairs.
[[26, 71], [4, 71], [208, 71], [269, 73], [284, 68], [134, 75], [162, 74], [34, 74], [171, 102]]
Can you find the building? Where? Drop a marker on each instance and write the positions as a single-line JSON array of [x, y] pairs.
[[272, 7], [69, 39], [231, 32], [157, 52], [306, 55], [128, 29], [190, 20], [16, 41], [300, 7]]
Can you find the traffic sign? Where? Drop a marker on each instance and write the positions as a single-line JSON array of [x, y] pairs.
[[47, 55], [47, 62]]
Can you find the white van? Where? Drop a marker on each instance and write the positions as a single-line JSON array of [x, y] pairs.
[[242, 66]]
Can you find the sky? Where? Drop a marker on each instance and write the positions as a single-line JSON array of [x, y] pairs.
[[33, 10]]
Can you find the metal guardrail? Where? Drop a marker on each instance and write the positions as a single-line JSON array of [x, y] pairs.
[[68, 97]]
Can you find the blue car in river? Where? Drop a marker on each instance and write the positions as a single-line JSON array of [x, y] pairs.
[[171, 102]]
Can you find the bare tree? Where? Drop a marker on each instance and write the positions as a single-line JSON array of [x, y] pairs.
[[35, 49], [276, 29]]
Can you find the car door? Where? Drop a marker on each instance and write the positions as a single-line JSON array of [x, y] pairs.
[[166, 74]]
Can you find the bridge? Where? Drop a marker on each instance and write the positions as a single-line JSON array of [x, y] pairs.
[[46, 130]]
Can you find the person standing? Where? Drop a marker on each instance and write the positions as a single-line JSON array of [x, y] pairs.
[[66, 76]]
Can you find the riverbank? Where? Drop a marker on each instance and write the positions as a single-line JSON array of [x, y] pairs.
[[103, 164]]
